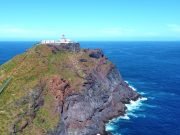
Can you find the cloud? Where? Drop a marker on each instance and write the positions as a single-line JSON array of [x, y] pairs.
[[174, 27]]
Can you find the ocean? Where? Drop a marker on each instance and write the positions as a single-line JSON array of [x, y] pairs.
[[152, 69]]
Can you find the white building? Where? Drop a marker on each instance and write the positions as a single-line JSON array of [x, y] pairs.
[[48, 41], [63, 40]]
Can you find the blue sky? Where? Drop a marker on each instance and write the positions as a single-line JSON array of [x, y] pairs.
[[90, 19]]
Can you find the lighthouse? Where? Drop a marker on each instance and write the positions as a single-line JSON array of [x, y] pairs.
[[62, 40], [65, 40]]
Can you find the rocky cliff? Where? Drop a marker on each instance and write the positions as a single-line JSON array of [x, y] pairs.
[[61, 90]]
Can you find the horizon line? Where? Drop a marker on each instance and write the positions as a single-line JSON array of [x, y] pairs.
[[98, 41]]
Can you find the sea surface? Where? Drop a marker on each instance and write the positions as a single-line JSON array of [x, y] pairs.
[[152, 69]]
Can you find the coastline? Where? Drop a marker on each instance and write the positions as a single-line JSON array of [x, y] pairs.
[[101, 93], [129, 111], [157, 93]]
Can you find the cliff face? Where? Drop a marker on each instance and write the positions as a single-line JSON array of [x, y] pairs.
[[102, 98], [66, 91]]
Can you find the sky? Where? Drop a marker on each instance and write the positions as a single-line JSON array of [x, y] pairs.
[[92, 20]]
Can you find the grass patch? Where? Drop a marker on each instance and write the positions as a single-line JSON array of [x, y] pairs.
[[27, 70], [5, 84]]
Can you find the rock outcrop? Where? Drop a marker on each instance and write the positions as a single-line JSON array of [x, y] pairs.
[[67, 91], [71, 47], [102, 97]]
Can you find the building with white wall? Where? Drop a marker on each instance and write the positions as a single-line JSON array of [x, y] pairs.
[[63, 40]]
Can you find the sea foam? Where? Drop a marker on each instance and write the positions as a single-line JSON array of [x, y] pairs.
[[131, 86], [131, 108]]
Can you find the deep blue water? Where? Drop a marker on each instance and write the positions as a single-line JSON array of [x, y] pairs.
[[153, 68]]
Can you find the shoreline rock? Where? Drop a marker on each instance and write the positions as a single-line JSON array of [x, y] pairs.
[[102, 98], [81, 87]]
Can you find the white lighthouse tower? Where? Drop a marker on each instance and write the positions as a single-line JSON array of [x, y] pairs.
[[65, 40], [62, 40]]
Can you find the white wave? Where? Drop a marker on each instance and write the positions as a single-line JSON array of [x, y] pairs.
[[126, 117], [143, 93], [109, 127], [131, 114], [131, 107], [126, 82], [131, 86]]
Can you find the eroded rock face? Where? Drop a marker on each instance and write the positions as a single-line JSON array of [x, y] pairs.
[[79, 90], [60, 88], [96, 53], [102, 98], [72, 47]]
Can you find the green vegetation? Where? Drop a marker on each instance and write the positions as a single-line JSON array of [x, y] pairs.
[[46, 118], [5, 84], [23, 73], [26, 70]]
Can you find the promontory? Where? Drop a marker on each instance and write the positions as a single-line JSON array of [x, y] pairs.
[[61, 90]]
